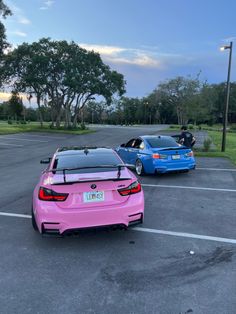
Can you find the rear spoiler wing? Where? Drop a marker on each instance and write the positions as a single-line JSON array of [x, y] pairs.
[[117, 178]]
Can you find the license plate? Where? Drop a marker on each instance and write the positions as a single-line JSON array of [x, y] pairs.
[[175, 156], [93, 196]]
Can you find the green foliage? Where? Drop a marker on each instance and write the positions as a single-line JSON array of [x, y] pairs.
[[207, 144], [190, 126]]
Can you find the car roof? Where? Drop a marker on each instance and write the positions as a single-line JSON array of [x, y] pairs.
[[81, 150], [153, 136]]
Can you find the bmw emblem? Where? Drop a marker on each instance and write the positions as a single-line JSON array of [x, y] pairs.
[[93, 186]]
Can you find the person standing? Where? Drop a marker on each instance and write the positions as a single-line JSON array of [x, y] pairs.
[[186, 138]]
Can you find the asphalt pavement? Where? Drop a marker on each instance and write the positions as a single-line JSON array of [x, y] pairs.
[[182, 260]]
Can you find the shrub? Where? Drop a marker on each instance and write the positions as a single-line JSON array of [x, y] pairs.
[[23, 122], [207, 144], [190, 126], [9, 122], [82, 126]]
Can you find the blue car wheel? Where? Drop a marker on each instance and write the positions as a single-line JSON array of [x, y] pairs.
[[139, 168]]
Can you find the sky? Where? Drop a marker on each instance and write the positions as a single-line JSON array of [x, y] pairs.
[[148, 41]]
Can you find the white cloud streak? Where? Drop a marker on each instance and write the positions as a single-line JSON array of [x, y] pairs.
[[47, 4], [18, 33], [148, 58], [18, 14]]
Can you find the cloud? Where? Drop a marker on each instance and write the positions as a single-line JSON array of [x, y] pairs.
[[18, 14], [18, 33], [148, 57], [24, 20], [47, 4]]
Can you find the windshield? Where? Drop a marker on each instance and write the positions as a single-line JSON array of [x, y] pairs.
[[162, 142], [89, 160]]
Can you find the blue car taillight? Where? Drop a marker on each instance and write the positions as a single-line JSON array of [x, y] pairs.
[[189, 154]]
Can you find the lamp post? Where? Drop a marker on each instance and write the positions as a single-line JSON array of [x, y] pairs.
[[226, 108]]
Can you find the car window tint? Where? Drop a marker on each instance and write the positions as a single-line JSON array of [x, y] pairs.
[[89, 160], [159, 142], [130, 143], [137, 143]]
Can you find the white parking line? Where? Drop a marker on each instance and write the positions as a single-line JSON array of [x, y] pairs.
[[185, 235], [14, 215], [187, 187], [155, 231], [23, 139], [216, 169], [11, 144]]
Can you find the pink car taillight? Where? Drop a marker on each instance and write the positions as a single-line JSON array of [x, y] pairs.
[[131, 189], [50, 195]]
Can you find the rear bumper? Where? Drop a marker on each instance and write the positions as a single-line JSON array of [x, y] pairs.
[[52, 219], [171, 167]]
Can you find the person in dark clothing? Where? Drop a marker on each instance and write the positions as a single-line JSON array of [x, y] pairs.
[[186, 138]]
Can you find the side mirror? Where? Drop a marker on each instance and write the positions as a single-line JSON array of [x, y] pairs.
[[122, 145], [45, 161]]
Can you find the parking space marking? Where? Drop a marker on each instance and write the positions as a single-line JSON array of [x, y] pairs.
[[185, 235], [11, 144], [150, 230], [187, 187], [23, 139], [216, 169], [14, 215]]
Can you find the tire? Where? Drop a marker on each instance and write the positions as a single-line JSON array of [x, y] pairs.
[[34, 225], [139, 168]]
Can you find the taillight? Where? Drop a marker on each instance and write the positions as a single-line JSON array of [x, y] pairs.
[[159, 156], [50, 195], [131, 189], [189, 154]]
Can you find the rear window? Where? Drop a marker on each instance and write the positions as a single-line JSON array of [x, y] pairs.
[[162, 142], [89, 160]]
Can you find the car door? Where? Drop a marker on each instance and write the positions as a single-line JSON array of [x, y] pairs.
[[134, 151], [124, 151]]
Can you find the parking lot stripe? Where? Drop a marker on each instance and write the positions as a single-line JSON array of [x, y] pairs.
[[23, 139], [187, 187], [149, 230], [14, 215], [185, 235], [11, 144], [215, 169]]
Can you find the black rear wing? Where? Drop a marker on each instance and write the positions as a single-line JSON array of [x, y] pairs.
[[117, 178]]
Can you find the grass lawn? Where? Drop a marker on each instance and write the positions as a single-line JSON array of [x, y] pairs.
[[6, 128]]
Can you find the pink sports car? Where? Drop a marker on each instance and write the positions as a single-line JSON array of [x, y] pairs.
[[83, 188]]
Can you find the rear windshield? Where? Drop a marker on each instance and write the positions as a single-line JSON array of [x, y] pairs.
[[162, 142], [89, 160]]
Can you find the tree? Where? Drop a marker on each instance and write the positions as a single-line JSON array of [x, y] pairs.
[[15, 105], [4, 12], [62, 75]]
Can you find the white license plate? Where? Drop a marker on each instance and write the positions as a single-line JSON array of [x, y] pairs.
[[175, 156], [93, 196]]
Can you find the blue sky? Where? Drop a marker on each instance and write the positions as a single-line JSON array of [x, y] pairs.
[[146, 40]]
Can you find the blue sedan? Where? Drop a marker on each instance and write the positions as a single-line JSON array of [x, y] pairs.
[[156, 154]]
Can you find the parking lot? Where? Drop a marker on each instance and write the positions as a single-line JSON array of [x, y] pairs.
[[181, 260]]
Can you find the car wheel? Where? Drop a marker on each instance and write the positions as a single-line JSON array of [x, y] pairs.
[[139, 168], [34, 221]]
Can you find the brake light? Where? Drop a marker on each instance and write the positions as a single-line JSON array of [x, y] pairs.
[[159, 156], [131, 189], [189, 154], [50, 195]]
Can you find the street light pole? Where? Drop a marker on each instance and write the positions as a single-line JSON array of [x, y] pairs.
[[226, 108]]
